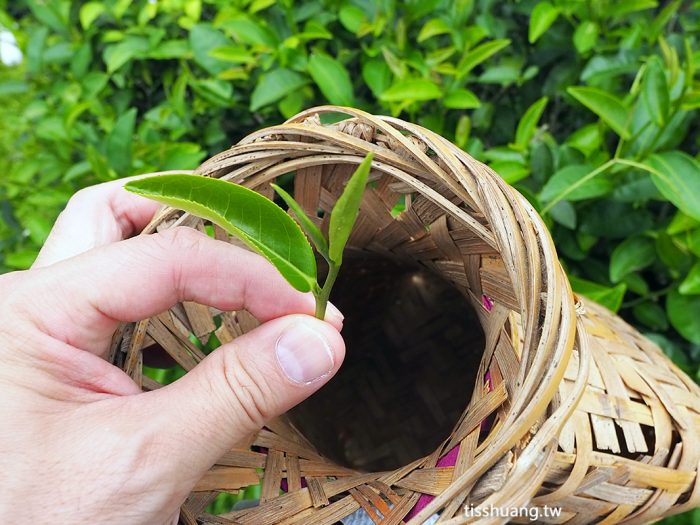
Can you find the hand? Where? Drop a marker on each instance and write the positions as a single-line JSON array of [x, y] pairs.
[[79, 442]]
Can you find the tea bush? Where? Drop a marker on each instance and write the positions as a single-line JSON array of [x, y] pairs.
[[589, 108]]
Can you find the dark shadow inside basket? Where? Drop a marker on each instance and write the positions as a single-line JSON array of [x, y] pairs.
[[414, 345]]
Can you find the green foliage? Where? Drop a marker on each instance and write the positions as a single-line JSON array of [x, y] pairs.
[[312, 231], [346, 210], [242, 212], [264, 226], [588, 108]]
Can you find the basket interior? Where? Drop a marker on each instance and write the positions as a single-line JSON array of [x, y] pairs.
[[413, 351]]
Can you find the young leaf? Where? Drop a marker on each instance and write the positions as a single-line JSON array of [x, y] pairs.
[[305, 222], [611, 298], [677, 176], [346, 209], [655, 91], [586, 36], [479, 54], [411, 89], [631, 255], [543, 16], [652, 315], [528, 124], [682, 311], [332, 79], [461, 99], [691, 284], [433, 27], [275, 85], [118, 142], [607, 106], [574, 183], [257, 221]]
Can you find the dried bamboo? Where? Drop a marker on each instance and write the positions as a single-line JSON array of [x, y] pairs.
[[565, 405]]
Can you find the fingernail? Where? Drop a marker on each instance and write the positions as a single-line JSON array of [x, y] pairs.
[[333, 314], [303, 354]]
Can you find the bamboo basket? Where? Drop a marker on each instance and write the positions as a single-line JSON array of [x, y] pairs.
[[475, 379]]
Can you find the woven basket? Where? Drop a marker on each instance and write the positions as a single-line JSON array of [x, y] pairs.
[[474, 378]]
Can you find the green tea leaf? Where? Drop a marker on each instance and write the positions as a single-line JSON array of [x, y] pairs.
[[683, 311], [233, 54], [622, 7], [332, 79], [275, 85], [677, 176], [510, 171], [635, 253], [586, 139], [655, 91], [528, 123], [90, 12], [606, 105], [575, 183], [411, 90], [351, 17], [203, 40], [610, 297], [346, 209], [652, 315], [118, 143], [691, 284], [377, 76], [50, 14], [586, 36], [248, 31], [543, 16], [115, 56], [257, 221], [305, 222], [479, 54], [461, 99], [433, 27]]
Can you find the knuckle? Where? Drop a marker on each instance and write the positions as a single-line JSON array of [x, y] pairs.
[[178, 245], [248, 393], [82, 197], [180, 238]]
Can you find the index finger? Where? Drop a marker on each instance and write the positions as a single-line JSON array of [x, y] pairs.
[[97, 216]]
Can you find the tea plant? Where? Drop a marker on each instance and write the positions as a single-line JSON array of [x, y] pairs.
[[264, 226]]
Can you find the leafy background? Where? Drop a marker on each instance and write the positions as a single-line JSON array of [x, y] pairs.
[[588, 107]]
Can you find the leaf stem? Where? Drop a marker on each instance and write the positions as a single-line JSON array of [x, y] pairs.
[[324, 293]]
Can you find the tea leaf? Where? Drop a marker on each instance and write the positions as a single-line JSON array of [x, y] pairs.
[[575, 183], [691, 284], [346, 209], [611, 298], [305, 222], [655, 91], [275, 85], [332, 79], [683, 311], [677, 176], [607, 106], [411, 89], [257, 221], [528, 123], [479, 54], [631, 255], [543, 16], [118, 142]]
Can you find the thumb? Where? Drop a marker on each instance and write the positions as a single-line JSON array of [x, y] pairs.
[[239, 387]]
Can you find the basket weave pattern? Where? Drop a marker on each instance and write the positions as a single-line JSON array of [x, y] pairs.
[[571, 406]]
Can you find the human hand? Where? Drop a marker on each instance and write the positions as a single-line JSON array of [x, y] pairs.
[[79, 442]]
